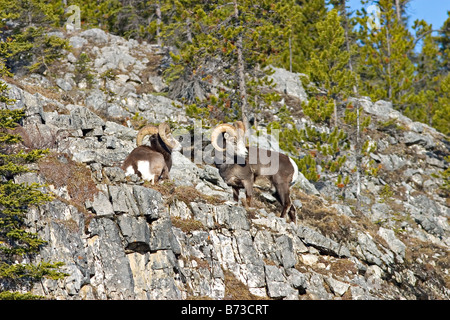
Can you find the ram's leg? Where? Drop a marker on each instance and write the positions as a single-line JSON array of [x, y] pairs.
[[235, 193], [248, 185], [165, 173], [283, 195]]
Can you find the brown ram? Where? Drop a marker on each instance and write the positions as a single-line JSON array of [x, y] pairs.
[[152, 162], [240, 168]]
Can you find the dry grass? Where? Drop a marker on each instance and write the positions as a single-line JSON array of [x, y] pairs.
[[187, 194], [59, 170], [428, 261], [343, 229], [235, 289], [315, 213], [187, 226]]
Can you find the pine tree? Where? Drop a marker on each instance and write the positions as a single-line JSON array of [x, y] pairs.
[[423, 104], [441, 116], [385, 65], [26, 43], [298, 20], [17, 245], [231, 42], [444, 44], [328, 69]]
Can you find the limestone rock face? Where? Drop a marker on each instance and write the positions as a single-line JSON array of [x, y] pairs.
[[186, 237]]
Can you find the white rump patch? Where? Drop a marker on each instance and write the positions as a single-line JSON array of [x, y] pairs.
[[129, 171], [295, 175], [144, 168]]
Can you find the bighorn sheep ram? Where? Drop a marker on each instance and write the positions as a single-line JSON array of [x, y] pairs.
[[239, 166], [152, 162]]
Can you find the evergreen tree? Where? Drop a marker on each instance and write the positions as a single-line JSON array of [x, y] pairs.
[[385, 65], [423, 104], [328, 69], [441, 116], [17, 245], [23, 27], [231, 42], [444, 44], [298, 20]]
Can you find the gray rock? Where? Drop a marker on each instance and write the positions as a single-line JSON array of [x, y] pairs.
[[380, 211], [77, 42], [114, 174], [315, 287], [380, 108], [343, 210], [392, 162], [63, 84], [180, 209], [96, 99], [95, 35], [296, 279], [83, 118], [277, 287], [289, 83], [119, 131], [211, 174], [157, 83], [136, 233], [112, 274], [247, 251], [203, 212], [417, 127], [213, 191], [115, 57], [123, 200], [157, 108], [359, 293], [162, 237], [394, 244], [232, 217], [183, 172], [149, 202], [305, 185], [337, 287], [431, 160], [384, 110], [101, 205], [368, 251], [322, 243], [285, 250], [410, 138]]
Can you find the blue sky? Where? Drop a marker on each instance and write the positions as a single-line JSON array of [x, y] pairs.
[[432, 11]]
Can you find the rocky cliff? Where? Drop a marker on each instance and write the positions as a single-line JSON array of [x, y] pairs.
[[185, 238]]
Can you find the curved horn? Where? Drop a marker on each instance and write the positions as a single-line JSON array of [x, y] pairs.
[[145, 131], [166, 136], [225, 127]]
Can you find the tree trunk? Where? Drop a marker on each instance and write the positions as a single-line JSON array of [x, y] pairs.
[[188, 30], [290, 53], [158, 23], [389, 73], [241, 72], [358, 144], [398, 9]]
